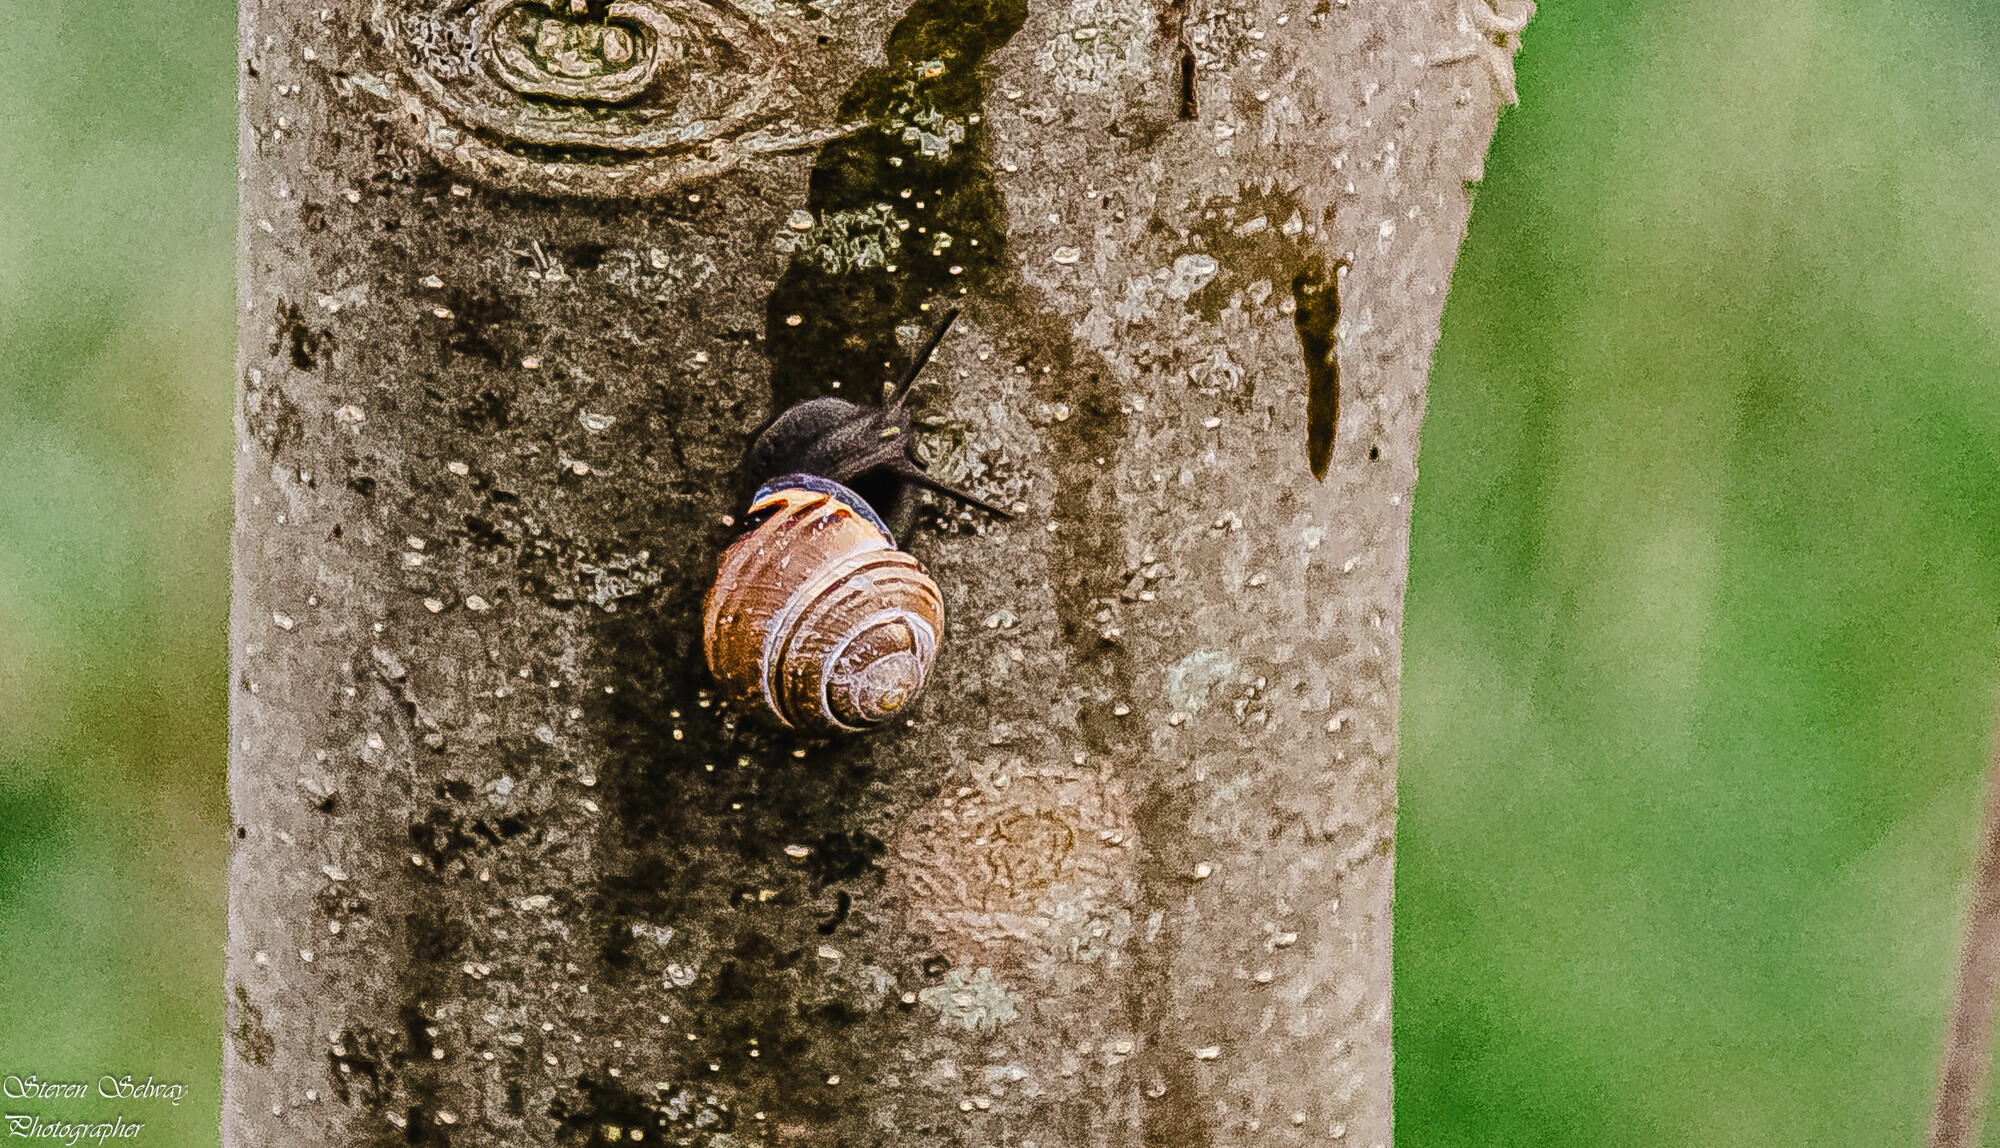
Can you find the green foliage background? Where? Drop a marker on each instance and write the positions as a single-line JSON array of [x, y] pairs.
[[1701, 653]]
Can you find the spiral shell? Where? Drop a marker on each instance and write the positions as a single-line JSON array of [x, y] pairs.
[[815, 617]]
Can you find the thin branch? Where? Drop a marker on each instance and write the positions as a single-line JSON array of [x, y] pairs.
[[1968, 1038]]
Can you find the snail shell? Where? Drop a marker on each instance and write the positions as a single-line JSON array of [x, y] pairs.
[[815, 617]]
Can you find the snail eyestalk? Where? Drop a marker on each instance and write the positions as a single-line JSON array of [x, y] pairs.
[[903, 385]]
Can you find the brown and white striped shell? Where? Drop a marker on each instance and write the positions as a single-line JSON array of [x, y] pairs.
[[815, 617]]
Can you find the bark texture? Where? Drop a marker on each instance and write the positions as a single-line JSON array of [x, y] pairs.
[[507, 873], [1967, 1059]]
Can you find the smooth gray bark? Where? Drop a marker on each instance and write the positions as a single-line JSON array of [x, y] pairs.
[[506, 874]]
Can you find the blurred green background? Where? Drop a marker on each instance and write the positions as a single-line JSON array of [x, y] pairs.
[[1702, 650], [1702, 645], [117, 270]]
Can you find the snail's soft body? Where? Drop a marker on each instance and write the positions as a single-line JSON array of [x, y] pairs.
[[816, 619]]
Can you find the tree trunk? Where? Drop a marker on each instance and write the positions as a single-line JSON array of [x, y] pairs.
[[519, 280]]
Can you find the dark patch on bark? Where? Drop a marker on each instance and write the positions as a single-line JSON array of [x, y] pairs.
[[690, 839], [270, 415], [1190, 109], [480, 323], [848, 309], [1245, 251], [482, 534], [1316, 289], [1089, 553], [337, 899], [299, 341], [489, 410], [1173, 29], [433, 934], [600, 1107], [841, 905], [517, 1097], [585, 256], [354, 1068], [1177, 1116], [253, 1041], [416, 1033], [441, 837]]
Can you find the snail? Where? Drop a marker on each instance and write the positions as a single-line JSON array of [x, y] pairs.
[[816, 618]]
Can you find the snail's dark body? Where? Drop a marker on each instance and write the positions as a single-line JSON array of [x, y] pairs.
[[842, 441], [816, 619]]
